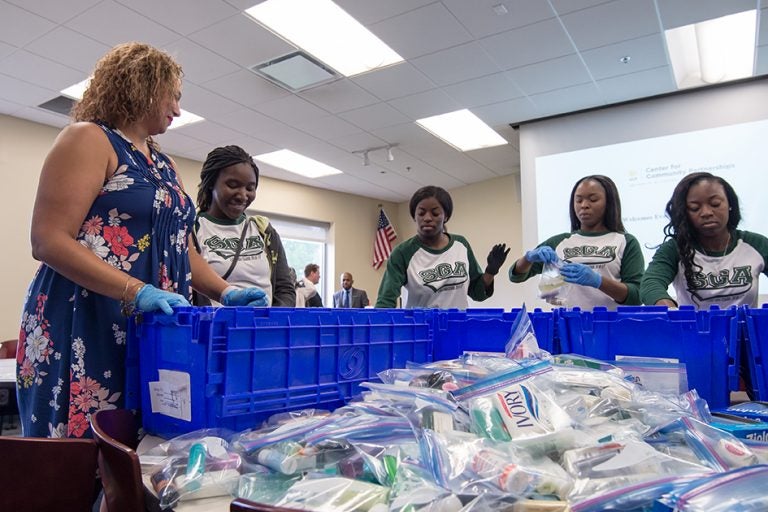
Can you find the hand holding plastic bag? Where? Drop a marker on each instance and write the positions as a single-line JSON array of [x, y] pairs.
[[543, 254], [496, 258], [253, 296], [150, 298], [578, 273]]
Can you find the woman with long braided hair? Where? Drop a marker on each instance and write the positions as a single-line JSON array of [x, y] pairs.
[[244, 250], [705, 257]]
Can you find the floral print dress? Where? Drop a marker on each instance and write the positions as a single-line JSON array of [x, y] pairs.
[[71, 357]]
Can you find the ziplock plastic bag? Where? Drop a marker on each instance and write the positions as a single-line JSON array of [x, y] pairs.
[[658, 376], [194, 469], [632, 496], [715, 448], [522, 342], [468, 465], [552, 287], [523, 400], [335, 494], [420, 378], [739, 490]]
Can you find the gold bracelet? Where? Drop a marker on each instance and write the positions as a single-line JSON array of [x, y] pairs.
[[127, 307]]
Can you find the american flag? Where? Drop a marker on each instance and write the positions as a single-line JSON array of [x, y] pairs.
[[382, 244]]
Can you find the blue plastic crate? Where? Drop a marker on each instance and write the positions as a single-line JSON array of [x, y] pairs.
[[245, 364], [756, 345], [486, 330], [707, 341]]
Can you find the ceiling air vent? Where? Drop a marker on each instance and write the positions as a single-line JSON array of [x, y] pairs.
[[296, 71], [60, 105]]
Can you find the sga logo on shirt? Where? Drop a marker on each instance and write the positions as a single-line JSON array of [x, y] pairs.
[[226, 247], [445, 274], [590, 254]]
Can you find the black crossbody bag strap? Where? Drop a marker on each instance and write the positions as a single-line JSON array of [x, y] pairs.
[[238, 250]]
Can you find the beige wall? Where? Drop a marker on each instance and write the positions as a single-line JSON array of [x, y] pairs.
[[486, 213]]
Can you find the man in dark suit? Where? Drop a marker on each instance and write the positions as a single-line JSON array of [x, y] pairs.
[[349, 297]]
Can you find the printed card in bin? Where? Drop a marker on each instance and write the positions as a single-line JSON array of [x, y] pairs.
[[234, 367]]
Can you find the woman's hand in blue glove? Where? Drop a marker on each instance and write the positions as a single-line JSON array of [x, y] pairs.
[[150, 298], [253, 296], [578, 273], [543, 254]]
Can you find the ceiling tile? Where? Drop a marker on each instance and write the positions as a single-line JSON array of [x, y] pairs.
[[23, 93], [34, 69], [371, 11], [566, 6], [502, 160], [5, 50], [421, 31], [484, 90], [327, 128], [130, 27], [19, 27], [611, 22], [339, 96], [69, 48], [480, 19], [246, 121], [199, 64], [358, 141], [676, 13], [180, 141], [375, 116], [206, 103], [762, 33], [42, 116], [550, 75], [212, 134], [290, 109], [394, 81], [762, 60], [644, 52], [570, 99], [242, 40], [425, 104], [466, 61], [183, 16], [542, 41], [246, 88], [505, 112], [9, 108], [58, 12], [643, 83]]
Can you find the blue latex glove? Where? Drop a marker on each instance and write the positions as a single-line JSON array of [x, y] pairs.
[[581, 274], [543, 254], [253, 296], [150, 298]]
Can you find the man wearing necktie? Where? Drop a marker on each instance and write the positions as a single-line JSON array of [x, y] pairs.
[[349, 297]]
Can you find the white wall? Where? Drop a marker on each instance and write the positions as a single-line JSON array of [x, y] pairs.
[[486, 213]]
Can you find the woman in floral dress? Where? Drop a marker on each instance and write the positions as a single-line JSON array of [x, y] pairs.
[[111, 226]]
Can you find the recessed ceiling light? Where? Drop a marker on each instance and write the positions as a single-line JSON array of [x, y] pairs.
[[713, 51], [298, 164], [77, 90], [325, 30], [462, 129]]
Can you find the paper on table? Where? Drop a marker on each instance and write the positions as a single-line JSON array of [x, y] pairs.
[[171, 395]]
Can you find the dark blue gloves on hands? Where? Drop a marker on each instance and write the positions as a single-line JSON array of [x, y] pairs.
[[543, 254], [496, 258], [150, 298], [253, 296], [581, 274]]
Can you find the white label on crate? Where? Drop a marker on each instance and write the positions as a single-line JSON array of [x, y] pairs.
[[171, 395]]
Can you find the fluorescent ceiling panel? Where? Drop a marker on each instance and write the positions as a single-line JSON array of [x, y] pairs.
[[462, 129], [325, 30], [713, 51], [298, 164]]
